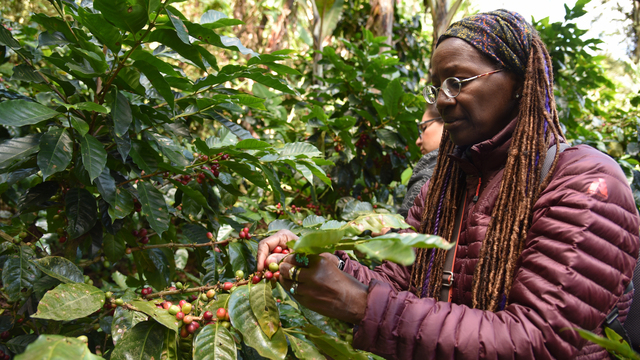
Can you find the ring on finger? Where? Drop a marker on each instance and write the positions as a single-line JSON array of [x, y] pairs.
[[296, 274], [292, 272], [294, 288]]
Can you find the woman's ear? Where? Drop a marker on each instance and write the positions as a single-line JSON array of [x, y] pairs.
[[519, 90]]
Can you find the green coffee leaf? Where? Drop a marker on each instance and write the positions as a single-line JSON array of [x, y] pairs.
[[332, 346], [157, 80], [154, 207], [181, 30], [121, 113], [144, 341], [129, 15], [241, 257], [144, 156], [19, 344], [123, 321], [56, 150], [18, 274], [60, 268], [303, 348], [101, 29], [318, 241], [375, 223], [82, 211], [313, 220], [214, 342], [264, 308], [114, 247], [16, 149], [159, 315], [94, 157], [55, 347], [7, 39], [22, 112], [70, 301], [243, 319]]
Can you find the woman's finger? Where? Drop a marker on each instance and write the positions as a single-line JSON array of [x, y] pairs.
[[268, 244]]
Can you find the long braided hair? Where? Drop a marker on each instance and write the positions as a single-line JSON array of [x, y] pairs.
[[511, 216]]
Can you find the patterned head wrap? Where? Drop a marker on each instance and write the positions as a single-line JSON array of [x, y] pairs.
[[502, 35]]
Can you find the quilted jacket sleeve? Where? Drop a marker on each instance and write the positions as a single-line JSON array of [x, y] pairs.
[[396, 275], [578, 258]]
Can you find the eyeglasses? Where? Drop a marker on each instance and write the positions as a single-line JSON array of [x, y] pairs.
[[451, 87], [422, 126]]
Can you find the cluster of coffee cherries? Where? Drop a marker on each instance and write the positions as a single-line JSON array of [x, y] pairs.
[[141, 235], [363, 141], [400, 155], [244, 234], [279, 210], [4, 356], [136, 205]]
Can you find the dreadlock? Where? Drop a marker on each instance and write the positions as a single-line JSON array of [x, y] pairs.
[[511, 216]]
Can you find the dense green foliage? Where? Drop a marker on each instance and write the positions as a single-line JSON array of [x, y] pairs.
[[142, 155]]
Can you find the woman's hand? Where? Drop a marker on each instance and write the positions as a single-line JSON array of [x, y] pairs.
[[266, 246], [325, 289]]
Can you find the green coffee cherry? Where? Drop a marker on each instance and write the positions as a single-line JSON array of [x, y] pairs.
[[108, 294], [119, 302], [174, 309], [240, 274]]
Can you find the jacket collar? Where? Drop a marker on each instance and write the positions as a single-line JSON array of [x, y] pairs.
[[488, 156]]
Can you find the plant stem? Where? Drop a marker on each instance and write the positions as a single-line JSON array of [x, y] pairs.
[[191, 290], [176, 245]]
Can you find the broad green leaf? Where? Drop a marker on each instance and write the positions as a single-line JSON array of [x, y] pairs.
[[280, 224], [129, 15], [398, 248], [313, 220], [19, 343], [355, 208], [214, 342], [204, 34], [243, 319], [318, 241], [299, 150], [159, 315], [123, 321], [123, 205], [57, 347], [106, 186], [154, 207], [114, 247], [94, 157], [332, 346], [171, 39], [320, 321], [18, 274], [143, 342], [162, 66], [252, 144], [102, 30], [80, 125], [7, 39], [121, 113], [304, 349], [196, 195], [24, 72], [264, 308], [221, 301], [272, 176], [15, 149], [37, 196], [170, 346], [214, 19], [272, 82], [56, 149], [620, 348], [332, 224], [60, 268], [241, 257], [70, 301], [91, 106], [157, 80], [246, 172], [181, 30], [82, 212], [236, 129], [392, 95], [144, 156], [375, 223]]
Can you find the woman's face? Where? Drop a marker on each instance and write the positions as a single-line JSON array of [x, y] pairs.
[[485, 105], [430, 137]]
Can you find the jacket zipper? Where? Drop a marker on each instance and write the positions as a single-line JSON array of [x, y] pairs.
[[477, 195]]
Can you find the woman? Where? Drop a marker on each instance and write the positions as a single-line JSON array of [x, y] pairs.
[[428, 141], [534, 256]]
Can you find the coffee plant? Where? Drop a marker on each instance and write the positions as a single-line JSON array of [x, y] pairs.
[[132, 196]]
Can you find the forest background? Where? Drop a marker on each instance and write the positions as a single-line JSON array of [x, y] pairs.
[[146, 146]]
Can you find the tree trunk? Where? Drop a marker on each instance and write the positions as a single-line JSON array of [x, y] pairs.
[[380, 21]]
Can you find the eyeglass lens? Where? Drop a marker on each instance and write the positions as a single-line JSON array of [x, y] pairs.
[[450, 86]]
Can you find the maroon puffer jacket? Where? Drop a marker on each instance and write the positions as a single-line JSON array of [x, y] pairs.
[[578, 259]]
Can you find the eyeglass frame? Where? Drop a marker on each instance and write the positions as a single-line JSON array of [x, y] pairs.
[[420, 131], [458, 81]]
